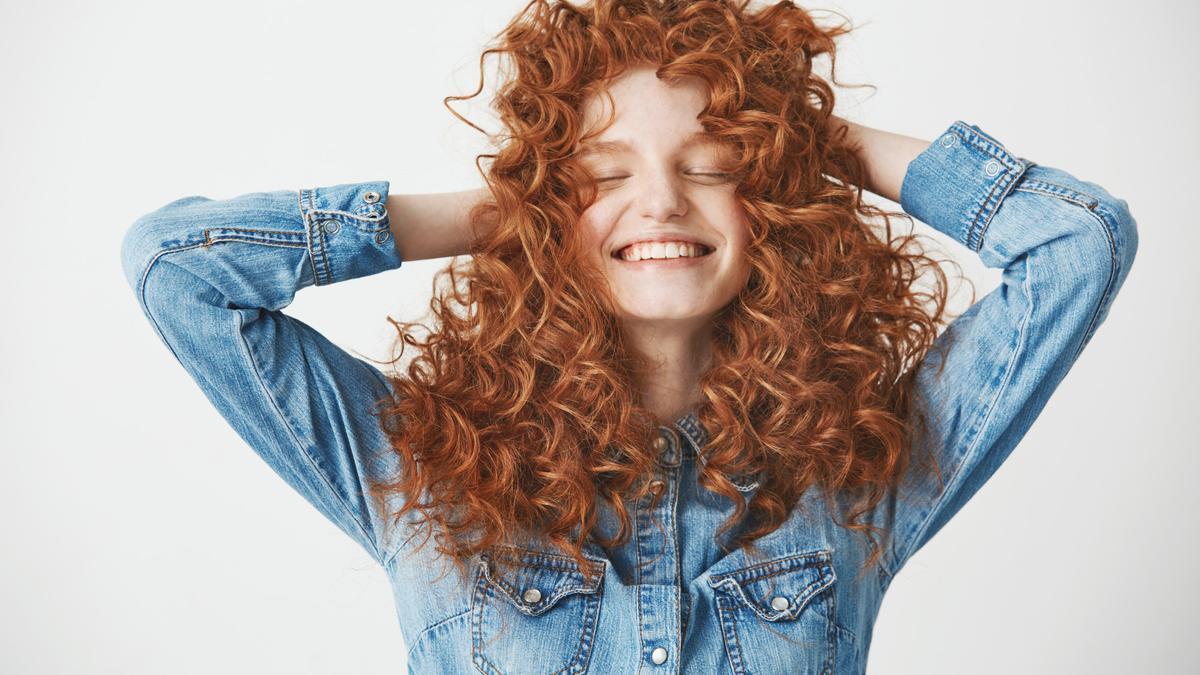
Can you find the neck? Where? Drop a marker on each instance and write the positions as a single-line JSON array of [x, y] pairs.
[[678, 356]]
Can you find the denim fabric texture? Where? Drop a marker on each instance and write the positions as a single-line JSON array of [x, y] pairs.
[[213, 277]]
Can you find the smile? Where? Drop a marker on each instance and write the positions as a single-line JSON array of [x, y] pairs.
[[662, 251]]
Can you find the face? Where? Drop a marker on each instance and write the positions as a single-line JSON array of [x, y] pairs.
[[660, 184]]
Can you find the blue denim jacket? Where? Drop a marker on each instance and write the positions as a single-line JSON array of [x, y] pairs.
[[214, 276]]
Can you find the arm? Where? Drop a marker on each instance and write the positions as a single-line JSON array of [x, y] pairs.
[[433, 225], [887, 155], [1065, 247], [213, 277]]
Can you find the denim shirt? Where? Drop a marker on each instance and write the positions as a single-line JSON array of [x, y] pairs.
[[213, 278]]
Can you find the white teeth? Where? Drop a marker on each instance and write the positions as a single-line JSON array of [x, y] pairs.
[[661, 250]]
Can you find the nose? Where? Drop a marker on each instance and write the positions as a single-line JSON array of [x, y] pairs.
[[662, 196]]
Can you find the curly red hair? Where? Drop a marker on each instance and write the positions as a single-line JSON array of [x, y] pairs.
[[522, 409]]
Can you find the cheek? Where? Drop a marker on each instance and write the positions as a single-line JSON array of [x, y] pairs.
[[595, 224], [738, 235]]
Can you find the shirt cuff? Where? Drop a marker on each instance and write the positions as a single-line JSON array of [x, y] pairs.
[[958, 182], [348, 230]]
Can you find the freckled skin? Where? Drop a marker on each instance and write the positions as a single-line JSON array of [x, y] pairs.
[[659, 186]]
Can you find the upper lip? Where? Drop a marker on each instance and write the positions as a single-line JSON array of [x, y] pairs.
[[661, 236]]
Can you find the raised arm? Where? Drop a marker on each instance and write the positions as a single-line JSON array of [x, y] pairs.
[[886, 154], [1065, 246], [213, 277], [433, 225]]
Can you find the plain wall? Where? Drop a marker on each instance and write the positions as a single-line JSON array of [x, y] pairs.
[[141, 535]]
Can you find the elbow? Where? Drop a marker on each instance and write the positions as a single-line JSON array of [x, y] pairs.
[[1122, 234], [1127, 236], [166, 227], [137, 251]]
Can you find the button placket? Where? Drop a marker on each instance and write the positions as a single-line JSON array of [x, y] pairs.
[[657, 546]]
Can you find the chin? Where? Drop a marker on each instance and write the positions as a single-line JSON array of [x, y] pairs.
[[682, 314]]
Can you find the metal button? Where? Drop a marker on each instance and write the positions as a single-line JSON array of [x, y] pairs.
[[992, 167], [332, 226], [657, 485], [382, 237], [779, 603], [947, 140], [371, 197], [660, 443], [659, 655], [532, 595]]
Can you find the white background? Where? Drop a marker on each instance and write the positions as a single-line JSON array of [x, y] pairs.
[[141, 535]]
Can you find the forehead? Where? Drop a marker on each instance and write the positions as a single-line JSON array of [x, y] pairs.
[[638, 108]]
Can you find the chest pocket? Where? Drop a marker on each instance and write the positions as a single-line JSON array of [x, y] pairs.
[[777, 616], [534, 612]]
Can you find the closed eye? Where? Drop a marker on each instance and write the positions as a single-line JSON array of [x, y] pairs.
[[706, 174]]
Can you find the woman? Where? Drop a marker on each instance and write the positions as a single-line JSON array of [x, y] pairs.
[[685, 407]]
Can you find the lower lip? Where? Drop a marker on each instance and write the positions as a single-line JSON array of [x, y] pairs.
[[665, 263]]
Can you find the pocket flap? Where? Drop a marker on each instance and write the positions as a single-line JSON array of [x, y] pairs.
[[534, 581], [779, 589]]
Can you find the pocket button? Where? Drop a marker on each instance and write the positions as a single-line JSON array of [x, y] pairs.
[[532, 595], [332, 226], [992, 167], [658, 656], [779, 603]]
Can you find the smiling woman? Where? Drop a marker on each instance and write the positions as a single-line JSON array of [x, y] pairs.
[[662, 190], [687, 376]]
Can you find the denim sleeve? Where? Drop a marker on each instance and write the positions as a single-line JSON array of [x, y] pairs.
[[1065, 247], [213, 277]]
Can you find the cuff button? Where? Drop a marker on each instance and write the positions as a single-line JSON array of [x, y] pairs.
[[992, 167], [382, 237], [371, 197], [947, 140]]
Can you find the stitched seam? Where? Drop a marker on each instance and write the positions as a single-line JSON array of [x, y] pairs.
[[1114, 267], [141, 294], [421, 635], [1005, 186], [935, 508], [675, 477], [252, 230], [308, 225], [234, 239], [303, 450], [733, 648], [542, 560], [792, 562], [377, 218], [808, 592], [1082, 199], [637, 582]]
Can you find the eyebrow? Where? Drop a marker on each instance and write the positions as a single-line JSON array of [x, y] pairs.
[[621, 145]]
